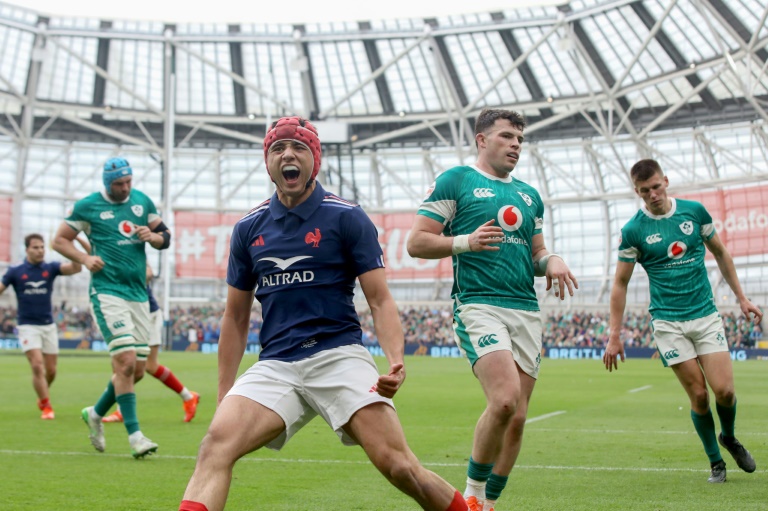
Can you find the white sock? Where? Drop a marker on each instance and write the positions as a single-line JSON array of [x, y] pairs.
[[475, 489], [489, 505], [133, 437], [185, 394], [95, 416]]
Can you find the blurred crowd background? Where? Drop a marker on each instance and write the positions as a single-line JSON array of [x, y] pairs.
[[423, 325]]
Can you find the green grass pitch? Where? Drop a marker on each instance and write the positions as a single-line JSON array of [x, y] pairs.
[[624, 442]]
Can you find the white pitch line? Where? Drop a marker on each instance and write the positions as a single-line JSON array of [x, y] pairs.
[[639, 389], [542, 417], [364, 462]]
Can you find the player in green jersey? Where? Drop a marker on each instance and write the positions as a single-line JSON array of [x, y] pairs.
[[669, 238], [491, 225], [119, 221]]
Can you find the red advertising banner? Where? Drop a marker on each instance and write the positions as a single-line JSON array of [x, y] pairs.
[[201, 242], [740, 217], [6, 210]]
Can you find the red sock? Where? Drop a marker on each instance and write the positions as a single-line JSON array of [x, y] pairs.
[[458, 503], [43, 403], [166, 376], [189, 505]]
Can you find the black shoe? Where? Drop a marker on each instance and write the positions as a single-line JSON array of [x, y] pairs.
[[718, 472], [744, 460]]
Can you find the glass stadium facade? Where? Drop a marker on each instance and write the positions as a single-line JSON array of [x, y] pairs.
[[602, 84]]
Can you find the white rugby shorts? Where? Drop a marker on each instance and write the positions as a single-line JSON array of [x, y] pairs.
[[123, 324], [155, 328], [678, 341], [39, 337], [333, 383], [480, 329]]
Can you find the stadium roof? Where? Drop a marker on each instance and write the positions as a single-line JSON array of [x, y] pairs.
[[577, 70]]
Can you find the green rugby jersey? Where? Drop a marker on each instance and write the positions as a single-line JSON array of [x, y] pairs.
[[111, 229], [464, 198], [671, 249]]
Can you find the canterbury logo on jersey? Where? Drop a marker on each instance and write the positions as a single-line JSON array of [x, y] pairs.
[[483, 193], [653, 238]]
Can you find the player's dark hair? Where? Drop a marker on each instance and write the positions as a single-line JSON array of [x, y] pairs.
[[489, 116], [644, 170], [34, 236]]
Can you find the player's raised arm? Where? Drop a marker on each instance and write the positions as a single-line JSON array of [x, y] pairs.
[[234, 335], [615, 347], [427, 242], [156, 234], [389, 330]]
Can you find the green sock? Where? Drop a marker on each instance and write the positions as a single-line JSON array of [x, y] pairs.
[[127, 403], [479, 471], [106, 400], [495, 486], [727, 415], [705, 427]]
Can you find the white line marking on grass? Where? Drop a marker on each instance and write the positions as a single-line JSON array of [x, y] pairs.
[[635, 432], [640, 389], [542, 417], [365, 462]]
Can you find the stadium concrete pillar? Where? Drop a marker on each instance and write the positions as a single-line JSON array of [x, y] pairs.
[[169, 140], [27, 123]]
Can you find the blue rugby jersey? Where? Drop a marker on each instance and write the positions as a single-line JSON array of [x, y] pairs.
[[303, 263], [33, 284], [153, 306]]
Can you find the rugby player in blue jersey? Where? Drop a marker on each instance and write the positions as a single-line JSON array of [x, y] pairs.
[[669, 238], [33, 282], [301, 252]]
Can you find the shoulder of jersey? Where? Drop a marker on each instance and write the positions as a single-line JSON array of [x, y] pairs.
[[335, 201], [458, 171], [139, 195], [257, 211]]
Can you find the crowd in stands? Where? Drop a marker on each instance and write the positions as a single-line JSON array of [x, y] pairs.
[[422, 325]]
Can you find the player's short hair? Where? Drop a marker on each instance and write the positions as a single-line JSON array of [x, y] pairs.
[[34, 236], [644, 170], [489, 116]]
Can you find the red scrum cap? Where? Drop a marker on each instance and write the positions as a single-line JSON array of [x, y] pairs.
[[298, 129]]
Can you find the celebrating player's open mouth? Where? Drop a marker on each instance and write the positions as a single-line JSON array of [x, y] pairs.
[[291, 174]]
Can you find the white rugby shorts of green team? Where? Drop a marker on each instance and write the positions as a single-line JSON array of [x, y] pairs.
[[678, 341], [123, 324], [480, 329]]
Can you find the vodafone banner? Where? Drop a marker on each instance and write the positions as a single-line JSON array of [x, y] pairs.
[[740, 217], [6, 204], [201, 242]]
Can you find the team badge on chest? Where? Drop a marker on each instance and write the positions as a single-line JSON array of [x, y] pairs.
[[137, 209], [687, 227]]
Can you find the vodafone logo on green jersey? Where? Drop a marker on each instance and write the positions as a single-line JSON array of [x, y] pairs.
[[677, 250], [126, 228], [510, 218]]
